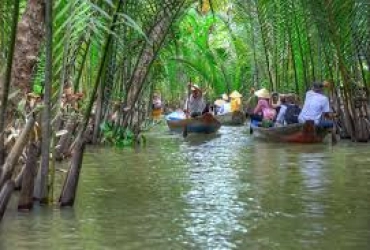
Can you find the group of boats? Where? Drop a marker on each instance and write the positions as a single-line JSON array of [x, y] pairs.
[[208, 123]]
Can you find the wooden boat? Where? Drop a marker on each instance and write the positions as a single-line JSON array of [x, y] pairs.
[[236, 118], [294, 133], [204, 124]]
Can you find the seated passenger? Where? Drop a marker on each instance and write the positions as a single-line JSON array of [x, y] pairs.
[[263, 111], [316, 107], [236, 101], [289, 111], [276, 101], [226, 106]]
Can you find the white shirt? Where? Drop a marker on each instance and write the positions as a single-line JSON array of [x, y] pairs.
[[314, 106], [281, 116], [195, 104], [225, 108]]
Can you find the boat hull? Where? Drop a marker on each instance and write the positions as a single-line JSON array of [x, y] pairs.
[[294, 133], [232, 119], [206, 124]]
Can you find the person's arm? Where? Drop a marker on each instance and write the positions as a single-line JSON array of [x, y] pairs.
[[186, 105], [258, 108]]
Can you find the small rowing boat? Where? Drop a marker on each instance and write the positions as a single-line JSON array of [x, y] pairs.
[[293, 133], [236, 118], [203, 124]]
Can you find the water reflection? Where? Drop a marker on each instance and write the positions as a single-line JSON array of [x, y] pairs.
[[214, 208], [224, 191]]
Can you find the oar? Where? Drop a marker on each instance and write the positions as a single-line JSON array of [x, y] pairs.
[[334, 128], [247, 104], [185, 131]]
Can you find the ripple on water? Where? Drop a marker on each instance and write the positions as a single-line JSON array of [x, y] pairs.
[[223, 191]]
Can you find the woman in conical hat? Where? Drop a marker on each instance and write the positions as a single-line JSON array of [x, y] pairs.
[[262, 94], [235, 94], [263, 110], [236, 101]]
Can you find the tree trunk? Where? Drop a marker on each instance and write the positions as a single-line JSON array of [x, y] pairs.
[[265, 45], [65, 140], [5, 87], [46, 116], [28, 42], [5, 194], [105, 50], [68, 194], [148, 54], [18, 179], [28, 180], [16, 151]]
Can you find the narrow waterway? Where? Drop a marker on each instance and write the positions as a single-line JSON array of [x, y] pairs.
[[224, 191]]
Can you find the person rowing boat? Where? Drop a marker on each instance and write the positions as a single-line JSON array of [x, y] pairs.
[[316, 107], [195, 104]]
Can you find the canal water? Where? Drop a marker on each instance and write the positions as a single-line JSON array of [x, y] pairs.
[[223, 191]]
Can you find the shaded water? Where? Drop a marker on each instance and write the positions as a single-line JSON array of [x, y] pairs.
[[224, 191]]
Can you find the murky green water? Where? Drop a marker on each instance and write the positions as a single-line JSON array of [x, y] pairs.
[[214, 192]]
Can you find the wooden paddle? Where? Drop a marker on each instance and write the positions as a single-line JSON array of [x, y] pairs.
[[185, 131], [247, 106], [334, 128]]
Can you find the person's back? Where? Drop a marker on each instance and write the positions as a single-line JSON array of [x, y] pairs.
[[314, 106], [235, 104], [291, 113], [225, 108]]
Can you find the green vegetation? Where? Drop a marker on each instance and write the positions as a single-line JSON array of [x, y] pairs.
[[86, 61]]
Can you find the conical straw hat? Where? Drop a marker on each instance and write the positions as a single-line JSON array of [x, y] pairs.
[[196, 87], [235, 94], [262, 93]]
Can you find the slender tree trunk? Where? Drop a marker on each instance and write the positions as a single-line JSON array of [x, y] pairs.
[[264, 41], [46, 116], [6, 84], [348, 101], [5, 194], [68, 194], [293, 61], [82, 66], [148, 54], [255, 79], [313, 75], [100, 71], [29, 173], [304, 65]]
